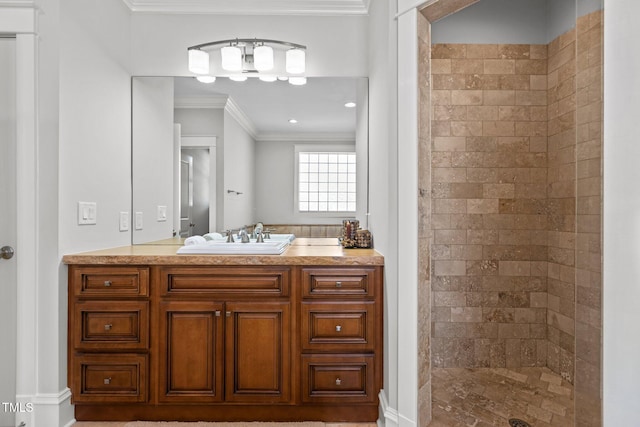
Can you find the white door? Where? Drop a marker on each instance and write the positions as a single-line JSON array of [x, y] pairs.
[[8, 234], [186, 196]]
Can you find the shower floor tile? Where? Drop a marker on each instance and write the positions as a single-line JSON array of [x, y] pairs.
[[482, 397]]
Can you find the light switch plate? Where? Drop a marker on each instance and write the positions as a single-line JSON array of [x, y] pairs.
[[162, 213], [138, 220], [87, 213], [124, 221]]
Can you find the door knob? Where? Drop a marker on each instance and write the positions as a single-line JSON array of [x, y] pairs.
[[6, 252]]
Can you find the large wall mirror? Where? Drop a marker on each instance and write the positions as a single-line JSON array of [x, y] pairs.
[[217, 156]]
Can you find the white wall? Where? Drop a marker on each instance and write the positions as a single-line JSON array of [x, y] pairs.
[[239, 175], [153, 157], [621, 214], [511, 21], [95, 121]]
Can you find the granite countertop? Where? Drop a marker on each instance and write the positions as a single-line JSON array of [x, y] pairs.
[[303, 251]]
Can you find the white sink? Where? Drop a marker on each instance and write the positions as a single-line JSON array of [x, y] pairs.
[[268, 247]]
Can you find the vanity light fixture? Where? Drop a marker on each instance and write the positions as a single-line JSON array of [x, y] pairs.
[[268, 78], [298, 81], [239, 78], [206, 79], [251, 57]]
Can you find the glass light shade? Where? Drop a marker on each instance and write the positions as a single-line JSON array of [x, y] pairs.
[[198, 61], [206, 79], [238, 78], [298, 81], [295, 59], [268, 78], [263, 58], [231, 58]]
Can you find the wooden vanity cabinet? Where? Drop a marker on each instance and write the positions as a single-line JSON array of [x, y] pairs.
[[341, 334], [225, 334], [252, 343], [108, 334]]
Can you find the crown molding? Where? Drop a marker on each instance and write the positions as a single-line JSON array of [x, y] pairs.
[[307, 137], [17, 3], [212, 101], [243, 120], [251, 7], [220, 102]]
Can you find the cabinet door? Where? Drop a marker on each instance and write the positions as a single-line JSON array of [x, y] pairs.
[[258, 341], [191, 352]]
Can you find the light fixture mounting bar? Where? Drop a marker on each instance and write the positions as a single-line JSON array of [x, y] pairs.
[[232, 42]]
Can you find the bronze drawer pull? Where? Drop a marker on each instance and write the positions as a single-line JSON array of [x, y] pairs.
[[108, 327], [338, 328], [338, 381], [338, 284], [107, 381], [107, 283]]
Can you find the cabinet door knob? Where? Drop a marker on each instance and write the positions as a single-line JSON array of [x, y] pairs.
[[108, 327], [217, 313], [107, 283], [338, 328], [338, 381], [228, 314], [338, 284], [107, 380]]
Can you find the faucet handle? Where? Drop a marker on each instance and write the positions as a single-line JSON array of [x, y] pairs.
[[259, 238], [230, 236]]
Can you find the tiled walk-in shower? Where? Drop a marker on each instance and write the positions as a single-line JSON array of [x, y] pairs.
[[510, 226], [483, 397]]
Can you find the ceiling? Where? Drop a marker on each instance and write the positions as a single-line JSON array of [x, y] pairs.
[[265, 108], [252, 7]]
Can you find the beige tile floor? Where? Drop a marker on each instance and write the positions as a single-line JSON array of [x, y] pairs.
[[490, 397]]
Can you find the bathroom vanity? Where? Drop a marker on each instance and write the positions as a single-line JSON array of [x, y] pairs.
[[291, 337]]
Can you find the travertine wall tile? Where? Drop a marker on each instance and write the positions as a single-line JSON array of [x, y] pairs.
[[489, 199], [517, 189]]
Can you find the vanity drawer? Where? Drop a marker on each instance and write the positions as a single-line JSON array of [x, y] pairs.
[[338, 326], [119, 325], [110, 282], [348, 378], [338, 282], [100, 378], [225, 281]]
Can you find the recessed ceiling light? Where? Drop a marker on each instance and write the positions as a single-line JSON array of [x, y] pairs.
[[350, 104], [293, 121], [206, 79]]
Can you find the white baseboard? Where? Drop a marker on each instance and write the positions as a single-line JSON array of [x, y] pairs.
[[388, 415], [47, 410]]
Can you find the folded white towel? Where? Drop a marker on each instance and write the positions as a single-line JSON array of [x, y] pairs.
[[195, 240], [213, 236]]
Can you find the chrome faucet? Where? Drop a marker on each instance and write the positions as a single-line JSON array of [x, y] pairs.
[[244, 237]]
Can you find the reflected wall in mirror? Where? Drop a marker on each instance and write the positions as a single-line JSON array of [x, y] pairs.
[[244, 140]]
